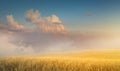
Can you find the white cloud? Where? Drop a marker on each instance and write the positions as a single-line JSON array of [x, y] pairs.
[[12, 24], [53, 19], [48, 24], [33, 16]]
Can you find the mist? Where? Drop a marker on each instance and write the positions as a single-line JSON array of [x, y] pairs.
[[34, 43]]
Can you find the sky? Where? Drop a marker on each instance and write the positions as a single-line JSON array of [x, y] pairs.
[[75, 14], [31, 27]]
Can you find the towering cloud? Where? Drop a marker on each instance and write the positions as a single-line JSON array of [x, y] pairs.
[[48, 24], [12, 24]]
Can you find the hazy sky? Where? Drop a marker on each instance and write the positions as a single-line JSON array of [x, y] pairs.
[[43, 26], [75, 14]]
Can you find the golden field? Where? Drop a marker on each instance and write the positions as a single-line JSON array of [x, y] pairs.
[[86, 61]]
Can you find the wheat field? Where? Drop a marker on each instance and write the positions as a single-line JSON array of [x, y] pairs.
[[91, 61]]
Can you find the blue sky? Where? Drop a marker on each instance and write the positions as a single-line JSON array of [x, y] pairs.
[[73, 13]]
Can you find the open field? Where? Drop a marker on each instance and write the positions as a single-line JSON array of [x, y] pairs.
[[91, 61]]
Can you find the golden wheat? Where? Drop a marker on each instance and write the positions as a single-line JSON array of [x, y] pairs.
[[84, 62]]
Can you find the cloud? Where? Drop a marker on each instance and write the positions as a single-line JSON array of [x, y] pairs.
[[53, 19], [48, 24], [12, 24], [9, 49], [33, 17]]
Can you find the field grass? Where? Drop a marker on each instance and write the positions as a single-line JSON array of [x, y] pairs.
[[90, 61]]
